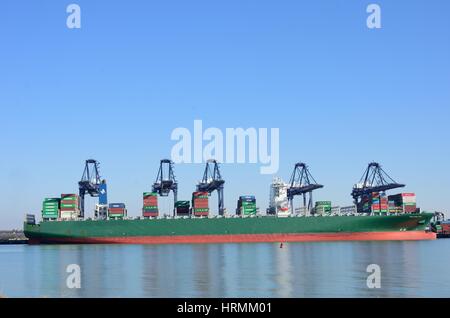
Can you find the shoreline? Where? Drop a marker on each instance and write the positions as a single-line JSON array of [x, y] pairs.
[[13, 237]]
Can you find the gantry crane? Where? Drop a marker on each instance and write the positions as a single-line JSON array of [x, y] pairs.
[[166, 181], [92, 184], [374, 179], [302, 183], [212, 181]]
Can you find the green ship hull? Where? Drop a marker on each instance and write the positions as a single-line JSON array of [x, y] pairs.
[[232, 230]]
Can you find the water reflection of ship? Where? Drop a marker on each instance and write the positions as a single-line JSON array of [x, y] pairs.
[[399, 263], [284, 277], [158, 263], [52, 268], [183, 271], [208, 270]]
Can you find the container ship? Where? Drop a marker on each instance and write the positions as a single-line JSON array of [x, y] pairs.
[[374, 216]]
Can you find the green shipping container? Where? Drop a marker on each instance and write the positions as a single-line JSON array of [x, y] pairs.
[[45, 207], [147, 209], [50, 202], [50, 207], [50, 210], [50, 214], [69, 205], [150, 194], [44, 213], [183, 204], [201, 210]]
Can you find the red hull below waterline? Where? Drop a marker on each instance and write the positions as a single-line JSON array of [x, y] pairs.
[[245, 238]]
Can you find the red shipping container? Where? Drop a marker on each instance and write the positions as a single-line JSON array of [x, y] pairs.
[[201, 206], [201, 213], [70, 202], [445, 228], [150, 214], [409, 209], [116, 210], [201, 201], [380, 206]]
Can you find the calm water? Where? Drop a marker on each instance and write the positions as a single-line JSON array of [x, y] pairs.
[[409, 269]]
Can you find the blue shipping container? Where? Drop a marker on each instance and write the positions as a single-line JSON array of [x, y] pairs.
[[247, 198], [103, 195]]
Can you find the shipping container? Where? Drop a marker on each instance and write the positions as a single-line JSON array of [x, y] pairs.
[[403, 203], [117, 210], [182, 208], [69, 215], [150, 205], [150, 194], [150, 214], [50, 208], [117, 205], [246, 205], [322, 207]]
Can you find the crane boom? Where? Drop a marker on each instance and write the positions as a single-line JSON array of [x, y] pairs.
[[302, 183], [212, 181], [166, 181], [92, 184], [374, 179]]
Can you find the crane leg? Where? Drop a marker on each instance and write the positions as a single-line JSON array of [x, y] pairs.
[[175, 200], [82, 204], [220, 199]]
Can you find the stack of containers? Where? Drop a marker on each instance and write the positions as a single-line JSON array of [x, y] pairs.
[[403, 202], [182, 208], [200, 203], [246, 205], [117, 210], [379, 203], [393, 208], [70, 206], [409, 202], [445, 225], [150, 208], [323, 207], [50, 208], [365, 202]]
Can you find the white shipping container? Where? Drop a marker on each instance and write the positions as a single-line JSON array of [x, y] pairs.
[[69, 215]]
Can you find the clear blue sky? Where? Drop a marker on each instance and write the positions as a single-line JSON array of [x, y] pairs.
[[341, 94]]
